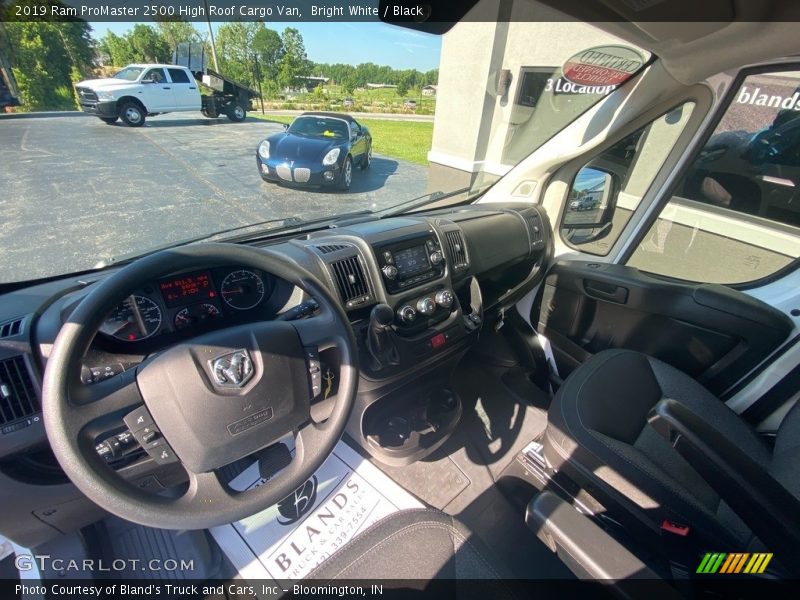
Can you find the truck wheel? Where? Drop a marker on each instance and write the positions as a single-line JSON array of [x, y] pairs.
[[131, 114], [346, 178], [237, 113], [109, 120]]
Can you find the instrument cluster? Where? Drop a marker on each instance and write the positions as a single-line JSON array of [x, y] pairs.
[[188, 302]]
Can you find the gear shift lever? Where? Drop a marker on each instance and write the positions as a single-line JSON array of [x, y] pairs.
[[380, 340]]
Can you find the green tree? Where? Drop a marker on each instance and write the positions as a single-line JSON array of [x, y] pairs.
[[403, 85], [147, 44], [115, 50], [178, 32], [294, 62], [268, 50], [49, 59]]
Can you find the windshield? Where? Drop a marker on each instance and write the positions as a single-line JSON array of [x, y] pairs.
[[103, 175], [129, 73], [319, 127]]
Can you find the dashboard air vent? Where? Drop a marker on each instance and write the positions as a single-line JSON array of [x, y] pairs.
[[534, 222], [328, 248], [10, 328], [351, 281], [458, 250], [17, 395]]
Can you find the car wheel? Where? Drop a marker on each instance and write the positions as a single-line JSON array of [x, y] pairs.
[[237, 113], [109, 120], [132, 114], [346, 178], [366, 161]]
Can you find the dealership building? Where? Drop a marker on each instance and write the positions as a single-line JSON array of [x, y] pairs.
[[488, 110]]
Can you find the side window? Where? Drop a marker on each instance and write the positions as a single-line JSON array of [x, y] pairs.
[[734, 217], [154, 75], [178, 76], [608, 189]]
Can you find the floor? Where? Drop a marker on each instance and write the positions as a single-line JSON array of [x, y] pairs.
[[460, 478]]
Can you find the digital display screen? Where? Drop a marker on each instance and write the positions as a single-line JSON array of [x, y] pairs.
[[411, 260], [188, 288]]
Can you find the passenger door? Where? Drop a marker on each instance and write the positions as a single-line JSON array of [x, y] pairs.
[[184, 90], [358, 141], [156, 91], [694, 283]]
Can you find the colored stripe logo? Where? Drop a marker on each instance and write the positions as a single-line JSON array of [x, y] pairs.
[[736, 562]]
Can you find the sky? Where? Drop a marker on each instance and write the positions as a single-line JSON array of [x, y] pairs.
[[349, 43]]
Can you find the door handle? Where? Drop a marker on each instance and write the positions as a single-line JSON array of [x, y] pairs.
[[605, 291], [166, 87], [193, 87]]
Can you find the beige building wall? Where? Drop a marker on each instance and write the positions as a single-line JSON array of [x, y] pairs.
[[476, 128]]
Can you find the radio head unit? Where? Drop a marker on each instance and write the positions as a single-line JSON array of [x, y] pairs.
[[410, 262]]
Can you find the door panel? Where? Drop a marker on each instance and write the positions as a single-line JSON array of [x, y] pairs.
[[711, 332]]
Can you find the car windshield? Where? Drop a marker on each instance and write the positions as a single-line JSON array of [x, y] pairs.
[[111, 168], [319, 127], [129, 73]]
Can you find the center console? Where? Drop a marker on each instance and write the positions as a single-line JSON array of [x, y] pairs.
[[415, 311]]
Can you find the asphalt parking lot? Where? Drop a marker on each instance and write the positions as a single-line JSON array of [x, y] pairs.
[[76, 191]]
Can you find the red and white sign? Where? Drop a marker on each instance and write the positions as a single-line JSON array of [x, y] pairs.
[[602, 66]]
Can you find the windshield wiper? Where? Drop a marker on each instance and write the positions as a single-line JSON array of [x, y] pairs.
[[420, 201], [259, 229]]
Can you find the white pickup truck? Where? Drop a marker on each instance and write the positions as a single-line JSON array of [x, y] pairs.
[[142, 90]]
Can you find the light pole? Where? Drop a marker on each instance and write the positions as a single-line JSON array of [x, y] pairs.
[[211, 33]]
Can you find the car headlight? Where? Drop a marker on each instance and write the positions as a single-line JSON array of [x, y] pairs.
[[105, 96], [330, 157], [263, 149]]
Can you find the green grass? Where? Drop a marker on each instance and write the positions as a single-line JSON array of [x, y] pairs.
[[404, 140]]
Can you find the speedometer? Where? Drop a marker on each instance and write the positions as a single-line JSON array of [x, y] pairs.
[[135, 319], [242, 289]]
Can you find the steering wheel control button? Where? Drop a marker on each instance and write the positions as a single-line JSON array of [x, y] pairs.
[[138, 419], [149, 436], [315, 371], [163, 454]]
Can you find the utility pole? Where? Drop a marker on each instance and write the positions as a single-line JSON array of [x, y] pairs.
[[211, 34]]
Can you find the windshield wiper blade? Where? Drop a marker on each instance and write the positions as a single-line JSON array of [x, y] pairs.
[[115, 260], [403, 207], [261, 228]]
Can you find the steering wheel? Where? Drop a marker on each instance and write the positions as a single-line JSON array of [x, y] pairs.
[[205, 420]]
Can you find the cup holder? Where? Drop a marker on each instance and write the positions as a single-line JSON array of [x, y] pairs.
[[412, 424]]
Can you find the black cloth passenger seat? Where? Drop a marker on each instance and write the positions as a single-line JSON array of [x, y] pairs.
[[598, 435]]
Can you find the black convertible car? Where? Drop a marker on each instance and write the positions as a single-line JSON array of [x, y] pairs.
[[317, 149]]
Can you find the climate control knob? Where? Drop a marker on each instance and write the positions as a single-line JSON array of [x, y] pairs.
[[426, 306], [436, 257], [407, 314], [389, 271], [444, 298]]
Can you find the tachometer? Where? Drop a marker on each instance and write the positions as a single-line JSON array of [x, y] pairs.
[[197, 314], [242, 289], [135, 319]]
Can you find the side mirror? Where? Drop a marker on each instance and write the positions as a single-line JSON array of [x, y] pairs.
[[285, 126], [591, 204], [591, 201], [148, 80]]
